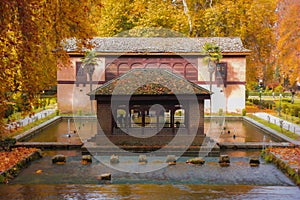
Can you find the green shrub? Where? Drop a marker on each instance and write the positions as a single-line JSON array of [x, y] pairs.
[[220, 112], [248, 103], [244, 112], [279, 88], [286, 111], [295, 109], [256, 101], [2, 179], [247, 94], [284, 107], [7, 142]]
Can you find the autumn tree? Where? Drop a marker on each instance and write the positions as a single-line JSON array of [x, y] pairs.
[[32, 33], [113, 18], [158, 14], [251, 20], [140, 18], [288, 40]]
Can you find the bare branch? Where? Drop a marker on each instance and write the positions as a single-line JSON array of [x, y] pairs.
[[186, 11]]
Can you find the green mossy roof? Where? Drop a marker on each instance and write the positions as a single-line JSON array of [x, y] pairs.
[[150, 81], [160, 45]]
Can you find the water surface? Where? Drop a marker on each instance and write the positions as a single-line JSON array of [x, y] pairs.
[[230, 131], [182, 181]]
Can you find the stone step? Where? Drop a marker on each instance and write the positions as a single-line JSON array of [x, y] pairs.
[[253, 145], [49, 145], [106, 150]]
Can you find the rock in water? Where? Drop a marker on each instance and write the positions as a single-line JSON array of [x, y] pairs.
[[114, 159], [196, 161], [86, 159], [104, 177], [59, 159], [171, 160], [254, 161], [224, 160], [143, 159]]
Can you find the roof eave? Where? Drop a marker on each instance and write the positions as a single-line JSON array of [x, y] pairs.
[[156, 53]]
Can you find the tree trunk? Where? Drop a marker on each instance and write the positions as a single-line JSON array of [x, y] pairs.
[[91, 89]]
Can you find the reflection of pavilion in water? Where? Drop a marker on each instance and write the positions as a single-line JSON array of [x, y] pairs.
[[150, 102], [149, 117]]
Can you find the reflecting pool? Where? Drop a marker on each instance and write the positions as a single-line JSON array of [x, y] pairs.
[[182, 181], [227, 131], [74, 180]]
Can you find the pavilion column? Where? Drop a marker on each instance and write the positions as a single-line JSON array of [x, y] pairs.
[[143, 110], [173, 119], [105, 118], [201, 120], [195, 118], [127, 118], [157, 121]]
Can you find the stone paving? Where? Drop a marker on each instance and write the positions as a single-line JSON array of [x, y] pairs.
[[275, 120]]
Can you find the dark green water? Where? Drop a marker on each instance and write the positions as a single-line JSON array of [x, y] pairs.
[[243, 131], [76, 181], [146, 191], [182, 181]]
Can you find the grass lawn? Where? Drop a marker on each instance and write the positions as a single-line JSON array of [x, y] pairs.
[[275, 127], [287, 108], [30, 126]]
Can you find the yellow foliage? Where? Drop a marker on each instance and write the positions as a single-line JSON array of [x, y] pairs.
[[31, 35]]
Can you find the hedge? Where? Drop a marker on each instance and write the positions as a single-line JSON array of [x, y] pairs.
[[256, 93]]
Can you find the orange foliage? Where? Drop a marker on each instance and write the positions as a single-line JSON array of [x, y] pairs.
[[291, 155], [10, 159], [288, 45]]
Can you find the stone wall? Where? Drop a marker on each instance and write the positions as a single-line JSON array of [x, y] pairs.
[[71, 96], [230, 98]]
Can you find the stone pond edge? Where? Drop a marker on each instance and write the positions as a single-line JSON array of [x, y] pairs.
[[292, 172], [14, 170]]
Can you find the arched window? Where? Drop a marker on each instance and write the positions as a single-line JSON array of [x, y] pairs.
[[81, 75], [120, 116], [178, 68], [179, 118], [123, 68], [111, 71], [191, 72]]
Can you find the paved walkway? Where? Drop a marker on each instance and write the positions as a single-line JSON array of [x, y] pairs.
[[275, 120], [27, 120]]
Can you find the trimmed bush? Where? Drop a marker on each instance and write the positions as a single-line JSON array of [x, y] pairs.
[[244, 112], [7, 142]]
